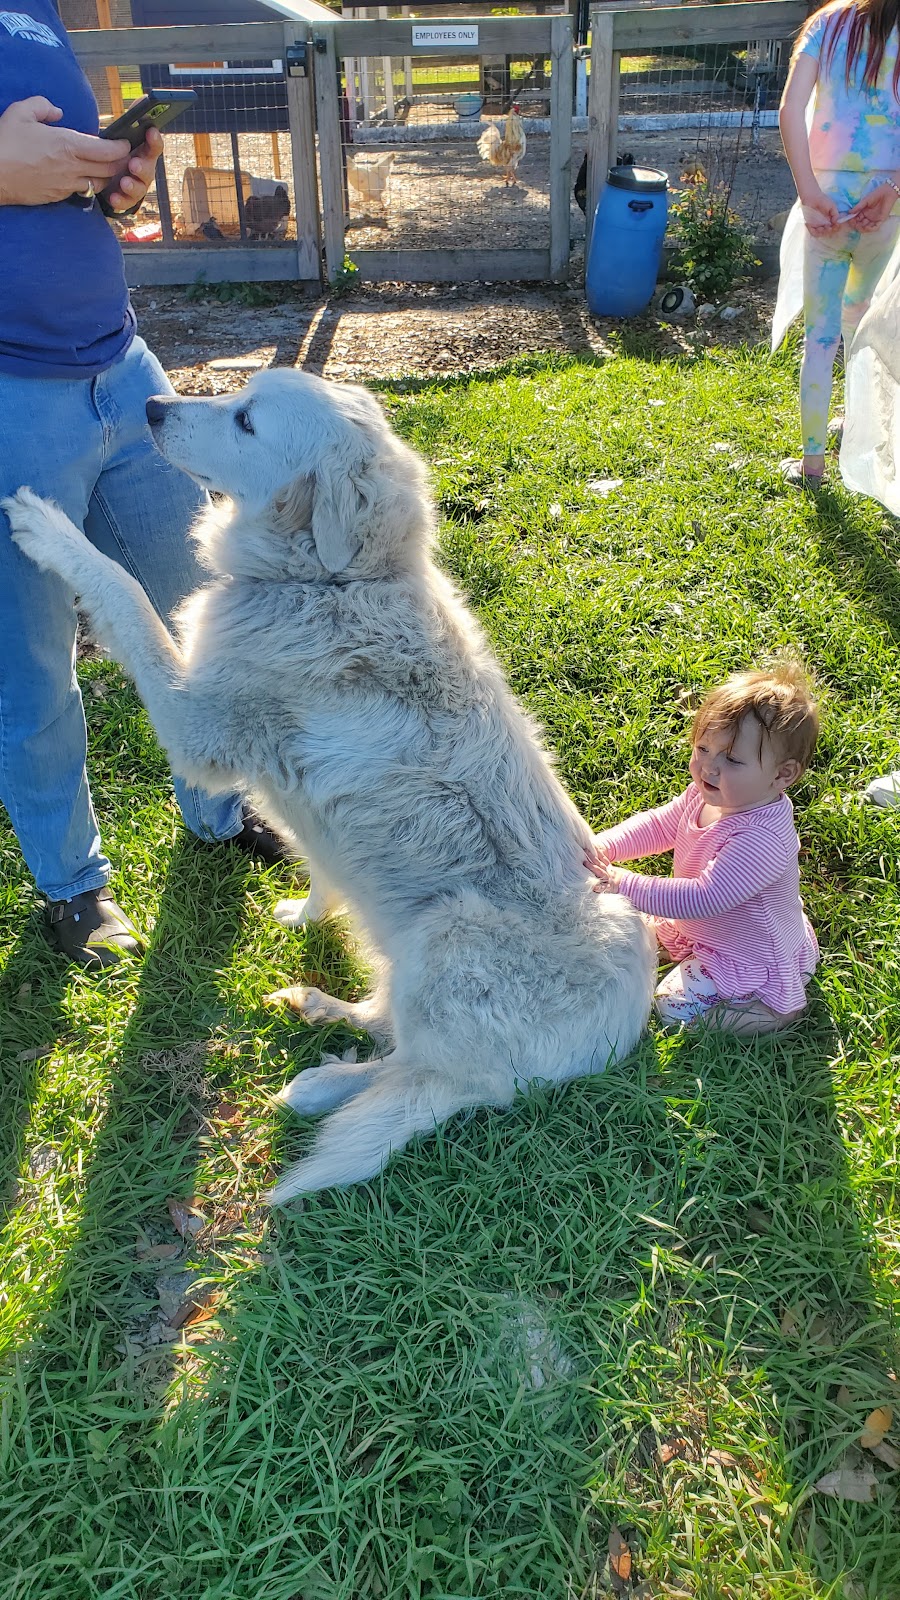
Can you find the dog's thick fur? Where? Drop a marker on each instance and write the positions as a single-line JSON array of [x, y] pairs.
[[332, 671]]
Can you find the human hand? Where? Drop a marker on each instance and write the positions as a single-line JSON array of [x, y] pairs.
[[873, 209], [40, 164], [608, 878], [129, 188], [820, 214], [597, 861]]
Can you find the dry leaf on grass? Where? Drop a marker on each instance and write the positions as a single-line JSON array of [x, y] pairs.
[[790, 1322], [724, 1458], [886, 1453], [849, 1481], [820, 1333], [605, 486], [673, 1449], [258, 1155], [224, 1111], [187, 1218], [844, 1397], [619, 1559], [876, 1426], [196, 1308], [158, 1252]]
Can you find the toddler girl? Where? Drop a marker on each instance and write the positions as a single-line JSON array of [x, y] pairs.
[[731, 915], [847, 170]]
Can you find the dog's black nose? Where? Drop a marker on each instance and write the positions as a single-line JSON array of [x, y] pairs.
[[156, 410]]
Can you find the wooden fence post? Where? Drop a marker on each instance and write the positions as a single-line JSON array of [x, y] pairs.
[[302, 130], [601, 124], [331, 158], [561, 92], [114, 82]]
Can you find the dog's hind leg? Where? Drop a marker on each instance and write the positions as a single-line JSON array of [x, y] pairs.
[[357, 1140], [319, 1089], [371, 1015]]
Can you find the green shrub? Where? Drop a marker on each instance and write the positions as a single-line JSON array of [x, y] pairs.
[[711, 246]]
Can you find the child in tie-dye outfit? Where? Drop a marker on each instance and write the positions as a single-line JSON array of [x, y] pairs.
[[847, 171]]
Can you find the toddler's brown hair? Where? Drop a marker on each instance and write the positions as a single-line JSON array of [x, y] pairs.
[[779, 699]]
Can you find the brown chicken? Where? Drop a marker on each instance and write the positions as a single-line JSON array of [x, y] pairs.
[[506, 151]]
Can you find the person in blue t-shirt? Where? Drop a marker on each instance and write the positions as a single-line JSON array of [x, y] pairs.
[[74, 382]]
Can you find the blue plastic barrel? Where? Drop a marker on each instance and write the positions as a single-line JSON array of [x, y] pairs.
[[626, 242]]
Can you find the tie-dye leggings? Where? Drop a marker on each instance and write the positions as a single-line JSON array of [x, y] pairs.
[[840, 273]]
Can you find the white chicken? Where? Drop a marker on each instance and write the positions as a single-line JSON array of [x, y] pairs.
[[506, 151], [368, 176]]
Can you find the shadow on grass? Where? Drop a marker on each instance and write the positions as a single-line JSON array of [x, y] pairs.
[[864, 561], [33, 984], [452, 1381], [145, 1152]]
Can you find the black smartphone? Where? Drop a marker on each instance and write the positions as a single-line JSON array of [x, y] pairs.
[[154, 110]]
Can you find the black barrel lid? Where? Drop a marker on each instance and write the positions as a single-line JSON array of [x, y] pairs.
[[647, 180]]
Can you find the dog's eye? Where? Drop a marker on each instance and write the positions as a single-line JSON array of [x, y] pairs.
[[242, 418]]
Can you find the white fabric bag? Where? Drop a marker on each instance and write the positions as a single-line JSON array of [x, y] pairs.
[[789, 302], [870, 452]]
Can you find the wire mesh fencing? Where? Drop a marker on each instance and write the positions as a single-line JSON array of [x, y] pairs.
[[712, 108], [227, 175], [449, 154], [434, 163]]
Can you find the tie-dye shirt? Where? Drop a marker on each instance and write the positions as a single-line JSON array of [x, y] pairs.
[[854, 129]]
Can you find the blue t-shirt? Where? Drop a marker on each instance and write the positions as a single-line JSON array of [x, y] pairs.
[[64, 307]]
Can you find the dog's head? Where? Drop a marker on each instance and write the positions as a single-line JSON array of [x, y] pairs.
[[321, 486]]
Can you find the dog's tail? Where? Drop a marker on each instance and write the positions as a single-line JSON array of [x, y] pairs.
[[355, 1142]]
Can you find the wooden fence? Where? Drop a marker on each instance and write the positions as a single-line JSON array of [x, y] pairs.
[[615, 33], [317, 131]]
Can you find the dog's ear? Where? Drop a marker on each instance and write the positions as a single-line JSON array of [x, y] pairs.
[[293, 505], [343, 495]]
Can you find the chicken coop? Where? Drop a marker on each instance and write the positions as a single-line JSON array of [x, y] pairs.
[[228, 173]]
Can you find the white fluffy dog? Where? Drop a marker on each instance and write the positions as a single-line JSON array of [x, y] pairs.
[[330, 669]]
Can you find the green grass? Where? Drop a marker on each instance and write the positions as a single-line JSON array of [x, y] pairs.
[[450, 1383]]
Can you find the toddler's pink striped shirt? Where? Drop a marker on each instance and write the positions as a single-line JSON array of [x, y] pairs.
[[734, 900]]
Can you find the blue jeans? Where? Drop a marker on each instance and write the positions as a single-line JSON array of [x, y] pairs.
[[85, 444]]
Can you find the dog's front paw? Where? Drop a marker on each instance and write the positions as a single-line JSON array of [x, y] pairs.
[[311, 1003], [292, 913], [41, 530]]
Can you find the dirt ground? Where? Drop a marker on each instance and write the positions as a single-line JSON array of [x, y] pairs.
[[437, 196], [397, 331]]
